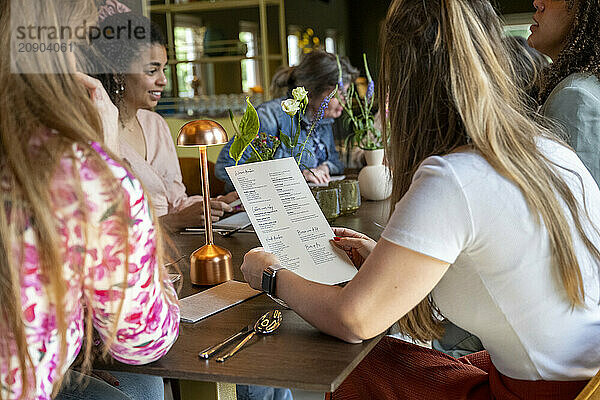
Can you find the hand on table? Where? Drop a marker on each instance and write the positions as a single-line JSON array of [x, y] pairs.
[[358, 246], [193, 214], [255, 261], [108, 112], [319, 174], [217, 209], [230, 198]]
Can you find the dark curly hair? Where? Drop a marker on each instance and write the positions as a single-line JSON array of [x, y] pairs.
[[118, 55], [582, 51]]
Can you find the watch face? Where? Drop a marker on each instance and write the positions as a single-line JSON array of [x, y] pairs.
[[267, 280]]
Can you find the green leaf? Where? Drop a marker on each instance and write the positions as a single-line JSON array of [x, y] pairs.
[[249, 124], [237, 149], [248, 130], [285, 139]]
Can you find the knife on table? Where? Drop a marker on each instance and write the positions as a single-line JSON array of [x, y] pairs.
[[206, 353]]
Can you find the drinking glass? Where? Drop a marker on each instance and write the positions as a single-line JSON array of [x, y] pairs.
[[349, 195], [328, 199]]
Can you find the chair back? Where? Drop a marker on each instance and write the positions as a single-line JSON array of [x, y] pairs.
[[190, 172], [591, 391]]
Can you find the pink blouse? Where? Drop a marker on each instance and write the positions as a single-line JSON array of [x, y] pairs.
[[149, 322], [159, 172]]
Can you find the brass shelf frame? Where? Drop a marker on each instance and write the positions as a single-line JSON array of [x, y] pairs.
[[169, 9]]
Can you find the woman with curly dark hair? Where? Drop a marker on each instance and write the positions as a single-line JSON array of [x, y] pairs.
[[567, 32], [135, 82]]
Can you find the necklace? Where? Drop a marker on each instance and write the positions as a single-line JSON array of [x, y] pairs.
[[126, 127], [134, 136], [127, 120]]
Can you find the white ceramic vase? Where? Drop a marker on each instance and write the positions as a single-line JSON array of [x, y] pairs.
[[375, 180]]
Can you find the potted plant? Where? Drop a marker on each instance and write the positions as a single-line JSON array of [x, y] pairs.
[[367, 136], [263, 145]]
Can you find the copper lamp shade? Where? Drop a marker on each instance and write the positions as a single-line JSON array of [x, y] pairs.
[[202, 132], [210, 264]]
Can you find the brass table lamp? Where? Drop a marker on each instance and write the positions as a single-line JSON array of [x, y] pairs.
[[210, 264]]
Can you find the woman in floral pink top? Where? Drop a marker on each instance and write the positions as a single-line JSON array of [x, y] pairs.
[[78, 247]]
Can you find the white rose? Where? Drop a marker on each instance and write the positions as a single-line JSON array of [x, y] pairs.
[[290, 106], [300, 94]]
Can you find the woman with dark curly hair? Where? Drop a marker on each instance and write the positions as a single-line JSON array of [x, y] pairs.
[[567, 32], [134, 82]]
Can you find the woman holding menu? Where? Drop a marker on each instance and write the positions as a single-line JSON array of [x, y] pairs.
[[491, 228]]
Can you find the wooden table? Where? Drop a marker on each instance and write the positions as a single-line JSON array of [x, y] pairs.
[[297, 356]]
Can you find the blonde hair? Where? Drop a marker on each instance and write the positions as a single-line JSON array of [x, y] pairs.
[[30, 103], [449, 81]]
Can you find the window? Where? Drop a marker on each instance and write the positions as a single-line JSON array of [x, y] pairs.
[[188, 46], [330, 41], [293, 50], [518, 24], [330, 45], [250, 69]]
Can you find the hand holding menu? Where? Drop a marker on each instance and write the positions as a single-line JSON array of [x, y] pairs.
[[288, 220]]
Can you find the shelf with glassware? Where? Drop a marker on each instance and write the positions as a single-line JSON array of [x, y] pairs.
[[223, 59], [211, 106], [205, 5], [264, 58]]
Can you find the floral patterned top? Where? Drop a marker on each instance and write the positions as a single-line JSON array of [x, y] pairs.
[[149, 321]]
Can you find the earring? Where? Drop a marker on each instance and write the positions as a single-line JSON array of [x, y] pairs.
[[121, 89]]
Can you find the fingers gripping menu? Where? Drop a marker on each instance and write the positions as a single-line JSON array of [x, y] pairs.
[[288, 220]]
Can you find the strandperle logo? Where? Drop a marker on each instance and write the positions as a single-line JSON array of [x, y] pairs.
[[81, 32], [42, 42]]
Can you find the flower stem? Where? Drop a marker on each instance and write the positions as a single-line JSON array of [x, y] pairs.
[[256, 151]]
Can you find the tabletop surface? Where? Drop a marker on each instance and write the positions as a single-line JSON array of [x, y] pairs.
[[296, 356]]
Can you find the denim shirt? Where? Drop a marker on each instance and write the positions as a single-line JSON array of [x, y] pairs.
[[575, 103], [320, 148]]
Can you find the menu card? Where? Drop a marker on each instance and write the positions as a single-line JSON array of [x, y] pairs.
[[288, 220], [218, 298]]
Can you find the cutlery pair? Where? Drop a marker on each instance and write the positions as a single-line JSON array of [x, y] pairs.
[[266, 324], [231, 232]]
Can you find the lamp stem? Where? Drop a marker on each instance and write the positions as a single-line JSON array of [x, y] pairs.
[[206, 195]]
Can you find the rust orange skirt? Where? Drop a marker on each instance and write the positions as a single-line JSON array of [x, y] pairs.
[[395, 369]]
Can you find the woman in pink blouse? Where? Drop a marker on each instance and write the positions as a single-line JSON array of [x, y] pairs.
[[78, 247], [135, 87]]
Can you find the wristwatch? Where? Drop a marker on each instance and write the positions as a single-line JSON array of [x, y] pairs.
[[269, 278]]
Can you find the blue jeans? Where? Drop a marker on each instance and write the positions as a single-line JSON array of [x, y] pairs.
[[253, 392], [131, 387]]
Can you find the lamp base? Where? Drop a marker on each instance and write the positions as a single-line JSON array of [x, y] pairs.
[[210, 265]]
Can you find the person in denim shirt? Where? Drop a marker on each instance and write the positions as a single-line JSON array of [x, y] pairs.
[[318, 73], [567, 32]]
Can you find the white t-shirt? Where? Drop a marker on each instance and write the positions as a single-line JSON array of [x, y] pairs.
[[501, 285]]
